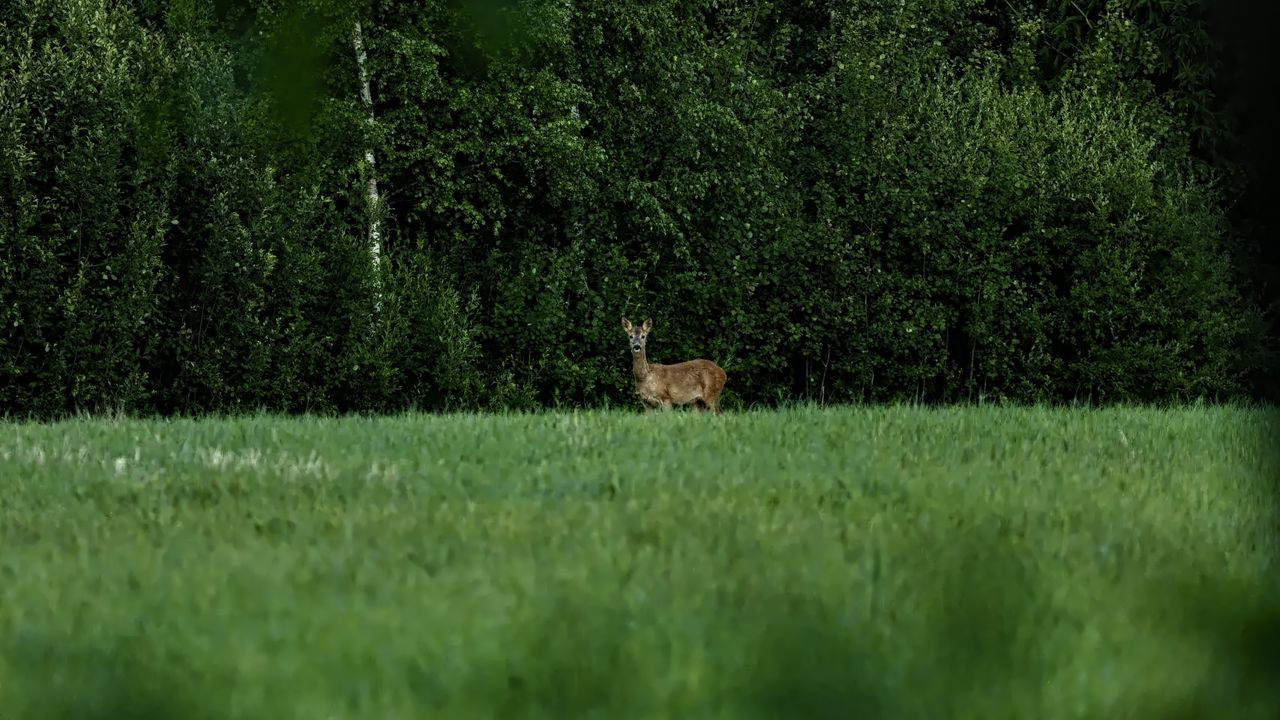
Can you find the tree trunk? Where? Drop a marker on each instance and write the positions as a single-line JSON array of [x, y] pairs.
[[375, 231]]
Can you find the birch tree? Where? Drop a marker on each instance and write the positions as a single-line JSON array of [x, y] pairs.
[[375, 230]]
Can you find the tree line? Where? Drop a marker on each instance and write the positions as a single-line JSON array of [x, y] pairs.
[[335, 207]]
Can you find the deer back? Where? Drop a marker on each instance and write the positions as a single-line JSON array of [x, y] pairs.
[[682, 382]]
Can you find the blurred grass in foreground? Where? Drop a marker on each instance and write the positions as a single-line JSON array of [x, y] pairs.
[[870, 562]]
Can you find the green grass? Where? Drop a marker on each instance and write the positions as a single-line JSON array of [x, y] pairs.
[[871, 563]]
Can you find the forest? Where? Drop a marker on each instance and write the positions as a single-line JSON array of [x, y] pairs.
[[332, 207]]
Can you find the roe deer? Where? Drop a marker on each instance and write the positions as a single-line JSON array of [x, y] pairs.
[[661, 386]]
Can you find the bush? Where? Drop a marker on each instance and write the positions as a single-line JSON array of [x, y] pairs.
[[430, 341], [85, 204]]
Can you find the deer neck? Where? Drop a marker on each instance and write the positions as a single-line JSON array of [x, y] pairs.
[[639, 366]]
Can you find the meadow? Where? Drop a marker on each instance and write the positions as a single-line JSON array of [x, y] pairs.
[[888, 562]]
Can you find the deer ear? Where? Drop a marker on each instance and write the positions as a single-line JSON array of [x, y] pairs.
[[626, 324], [648, 325]]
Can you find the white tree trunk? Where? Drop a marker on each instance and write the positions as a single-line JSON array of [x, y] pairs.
[[375, 231]]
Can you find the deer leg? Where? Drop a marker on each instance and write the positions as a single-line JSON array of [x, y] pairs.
[[709, 400], [715, 400], [713, 404]]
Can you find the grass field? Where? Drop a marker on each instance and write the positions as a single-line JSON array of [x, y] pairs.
[[868, 563]]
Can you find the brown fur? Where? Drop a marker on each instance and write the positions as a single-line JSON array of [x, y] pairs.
[[698, 382]]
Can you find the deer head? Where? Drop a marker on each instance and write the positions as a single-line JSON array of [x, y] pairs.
[[638, 335]]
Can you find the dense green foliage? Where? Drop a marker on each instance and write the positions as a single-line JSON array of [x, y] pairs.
[[838, 201], [887, 563]]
